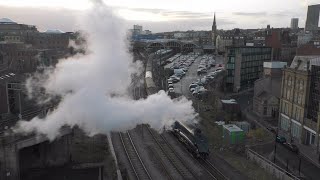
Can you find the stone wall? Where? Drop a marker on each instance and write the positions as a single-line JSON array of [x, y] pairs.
[[269, 166]]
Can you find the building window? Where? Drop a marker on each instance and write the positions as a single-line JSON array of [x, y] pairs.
[[1, 59], [265, 110], [299, 99], [301, 84], [288, 94], [313, 137], [295, 130], [232, 59], [289, 82], [284, 123]]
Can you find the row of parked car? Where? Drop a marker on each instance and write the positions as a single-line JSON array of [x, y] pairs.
[[292, 147], [205, 64], [180, 67]]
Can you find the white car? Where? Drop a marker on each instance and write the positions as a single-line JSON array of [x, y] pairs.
[[218, 70]]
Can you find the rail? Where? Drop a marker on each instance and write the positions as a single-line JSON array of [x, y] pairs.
[[211, 166], [181, 172], [133, 152]]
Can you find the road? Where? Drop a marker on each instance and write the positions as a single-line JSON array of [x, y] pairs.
[[182, 87], [308, 170]]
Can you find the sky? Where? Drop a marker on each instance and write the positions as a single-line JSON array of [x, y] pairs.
[[164, 15]]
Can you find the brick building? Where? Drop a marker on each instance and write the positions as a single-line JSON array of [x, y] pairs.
[[280, 41]]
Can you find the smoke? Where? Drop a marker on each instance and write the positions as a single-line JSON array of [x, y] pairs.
[[93, 87]]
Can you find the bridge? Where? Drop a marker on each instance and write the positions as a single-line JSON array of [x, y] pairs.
[[175, 44]]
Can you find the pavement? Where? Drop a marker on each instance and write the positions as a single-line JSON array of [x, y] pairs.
[[310, 154], [284, 157]]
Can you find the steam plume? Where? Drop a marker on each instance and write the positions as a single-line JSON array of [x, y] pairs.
[[94, 86]]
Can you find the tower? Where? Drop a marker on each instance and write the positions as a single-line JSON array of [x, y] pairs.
[[312, 21], [294, 23], [214, 30]]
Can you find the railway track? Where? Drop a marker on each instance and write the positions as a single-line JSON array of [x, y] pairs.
[[138, 167], [174, 158], [212, 170]]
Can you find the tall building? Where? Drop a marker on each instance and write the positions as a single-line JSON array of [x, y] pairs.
[[137, 29], [244, 65], [294, 23], [214, 30], [312, 22], [300, 100]]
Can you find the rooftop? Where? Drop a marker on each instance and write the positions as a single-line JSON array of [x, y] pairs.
[[302, 63], [230, 101], [232, 128], [6, 21], [54, 31], [274, 64]]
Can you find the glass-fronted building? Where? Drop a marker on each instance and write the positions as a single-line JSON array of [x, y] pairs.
[[244, 65]]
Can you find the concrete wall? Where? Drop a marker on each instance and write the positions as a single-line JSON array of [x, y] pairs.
[[270, 167], [48, 153]]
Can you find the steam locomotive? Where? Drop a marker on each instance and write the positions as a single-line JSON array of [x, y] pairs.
[[193, 139]]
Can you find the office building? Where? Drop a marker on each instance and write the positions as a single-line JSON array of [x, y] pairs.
[[312, 23], [244, 65], [294, 23]]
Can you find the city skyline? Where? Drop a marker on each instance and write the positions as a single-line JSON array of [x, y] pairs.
[[162, 16]]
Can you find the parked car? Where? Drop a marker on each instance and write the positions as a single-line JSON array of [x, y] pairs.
[[170, 85], [175, 79], [209, 77], [201, 71], [193, 85], [199, 82], [291, 147], [281, 139]]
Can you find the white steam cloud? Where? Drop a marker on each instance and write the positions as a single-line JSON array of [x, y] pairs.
[[94, 86]]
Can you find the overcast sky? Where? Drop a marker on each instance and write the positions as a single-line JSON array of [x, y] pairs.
[[162, 15]]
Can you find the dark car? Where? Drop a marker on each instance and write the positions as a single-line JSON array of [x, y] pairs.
[[291, 147], [281, 139]]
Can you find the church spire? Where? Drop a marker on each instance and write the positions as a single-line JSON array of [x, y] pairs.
[[214, 30]]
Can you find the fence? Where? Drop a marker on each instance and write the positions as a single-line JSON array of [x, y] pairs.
[[269, 166]]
